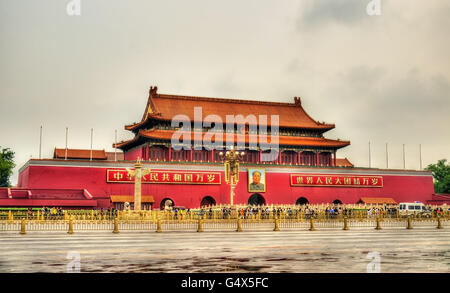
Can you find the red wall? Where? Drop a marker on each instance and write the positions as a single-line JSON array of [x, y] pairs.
[[23, 178], [278, 190], [133, 154]]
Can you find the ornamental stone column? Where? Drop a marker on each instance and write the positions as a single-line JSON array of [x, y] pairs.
[[138, 173]]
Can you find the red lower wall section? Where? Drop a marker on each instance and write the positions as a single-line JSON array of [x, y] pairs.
[[405, 187], [133, 154], [23, 178]]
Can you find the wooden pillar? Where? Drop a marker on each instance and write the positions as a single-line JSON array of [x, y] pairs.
[[334, 159], [279, 158], [147, 155], [298, 157], [317, 158], [212, 155], [260, 156], [190, 155], [170, 153]]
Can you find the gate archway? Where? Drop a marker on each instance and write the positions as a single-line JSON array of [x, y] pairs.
[[302, 201], [256, 199], [167, 200], [208, 201]]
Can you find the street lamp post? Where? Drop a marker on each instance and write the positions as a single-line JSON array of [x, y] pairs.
[[231, 163]]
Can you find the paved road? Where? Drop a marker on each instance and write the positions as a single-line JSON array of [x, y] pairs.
[[327, 250]]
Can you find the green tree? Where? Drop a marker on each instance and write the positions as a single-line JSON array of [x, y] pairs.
[[441, 175], [6, 166]]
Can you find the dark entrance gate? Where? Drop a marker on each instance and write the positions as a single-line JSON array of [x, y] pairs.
[[302, 201], [166, 201], [256, 199], [207, 201]]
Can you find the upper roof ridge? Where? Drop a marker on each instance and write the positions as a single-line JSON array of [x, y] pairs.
[[166, 106], [228, 100]]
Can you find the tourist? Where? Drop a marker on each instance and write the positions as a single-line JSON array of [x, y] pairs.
[[53, 212]]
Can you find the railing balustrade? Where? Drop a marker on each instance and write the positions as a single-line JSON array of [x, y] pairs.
[[222, 218]]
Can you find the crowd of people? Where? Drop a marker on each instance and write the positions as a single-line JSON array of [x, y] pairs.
[[58, 212], [306, 211], [50, 212], [264, 212]]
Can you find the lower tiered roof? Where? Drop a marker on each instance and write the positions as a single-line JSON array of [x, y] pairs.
[[166, 135]]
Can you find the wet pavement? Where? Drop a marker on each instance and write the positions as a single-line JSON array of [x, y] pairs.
[[327, 250]]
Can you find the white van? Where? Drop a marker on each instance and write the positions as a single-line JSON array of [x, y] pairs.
[[411, 208]]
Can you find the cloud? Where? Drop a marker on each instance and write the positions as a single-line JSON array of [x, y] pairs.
[[316, 13], [410, 106], [364, 77], [225, 85], [421, 102]]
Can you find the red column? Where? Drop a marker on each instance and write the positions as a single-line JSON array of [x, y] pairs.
[[212, 155], [260, 156], [279, 158], [190, 155], [334, 159], [170, 153], [298, 158], [317, 158], [147, 155]]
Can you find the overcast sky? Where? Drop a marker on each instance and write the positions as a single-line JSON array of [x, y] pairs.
[[378, 78]]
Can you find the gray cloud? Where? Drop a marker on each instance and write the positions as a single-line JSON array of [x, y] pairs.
[[364, 77], [384, 101], [420, 102], [314, 13], [225, 85]]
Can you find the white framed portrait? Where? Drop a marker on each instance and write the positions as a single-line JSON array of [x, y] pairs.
[[256, 180]]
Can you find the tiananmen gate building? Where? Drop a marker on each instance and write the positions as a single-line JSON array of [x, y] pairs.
[[305, 169]]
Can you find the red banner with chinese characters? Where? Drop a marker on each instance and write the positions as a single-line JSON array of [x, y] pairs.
[[170, 177], [336, 180]]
